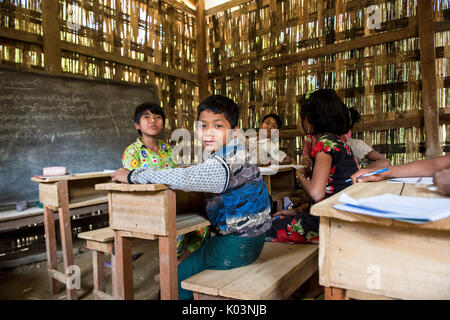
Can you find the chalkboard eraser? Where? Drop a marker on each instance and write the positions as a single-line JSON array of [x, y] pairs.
[[54, 171]]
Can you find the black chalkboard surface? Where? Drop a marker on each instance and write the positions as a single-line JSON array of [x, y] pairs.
[[45, 120]]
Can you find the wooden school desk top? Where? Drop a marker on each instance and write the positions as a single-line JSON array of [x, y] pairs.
[[113, 186], [357, 191], [75, 176]]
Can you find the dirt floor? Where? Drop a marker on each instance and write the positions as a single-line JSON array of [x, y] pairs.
[[31, 282]]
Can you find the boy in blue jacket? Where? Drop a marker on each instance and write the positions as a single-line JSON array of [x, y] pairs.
[[237, 201]]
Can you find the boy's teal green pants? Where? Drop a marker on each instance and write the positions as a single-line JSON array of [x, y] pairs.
[[219, 253]]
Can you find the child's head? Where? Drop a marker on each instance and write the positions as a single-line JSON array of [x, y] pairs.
[[149, 119], [270, 122], [322, 111], [217, 114]]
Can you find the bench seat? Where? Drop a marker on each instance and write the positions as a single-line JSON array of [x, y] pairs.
[[279, 271]]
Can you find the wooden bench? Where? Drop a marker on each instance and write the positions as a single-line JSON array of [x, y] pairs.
[[279, 271], [101, 241]]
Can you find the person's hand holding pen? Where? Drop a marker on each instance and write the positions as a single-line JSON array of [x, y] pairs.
[[366, 175]]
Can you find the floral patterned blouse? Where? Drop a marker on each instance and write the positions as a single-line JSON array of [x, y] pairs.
[[139, 155], [343, 163]]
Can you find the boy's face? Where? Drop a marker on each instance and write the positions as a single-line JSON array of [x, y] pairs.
[[150, 124], [212, 130], [269, 124]]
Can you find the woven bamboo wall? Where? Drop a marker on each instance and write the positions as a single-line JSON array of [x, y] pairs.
[[128, 40], [266, 53]]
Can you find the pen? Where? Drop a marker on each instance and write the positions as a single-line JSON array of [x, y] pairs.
[[370, 174]]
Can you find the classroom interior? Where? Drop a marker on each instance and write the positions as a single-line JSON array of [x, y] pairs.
[[72, 72]]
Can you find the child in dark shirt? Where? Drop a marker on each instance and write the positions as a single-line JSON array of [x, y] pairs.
[[324, 116]]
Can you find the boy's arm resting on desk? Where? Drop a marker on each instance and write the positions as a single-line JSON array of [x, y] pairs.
[[210, 176]]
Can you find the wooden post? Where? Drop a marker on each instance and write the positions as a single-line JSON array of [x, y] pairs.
[[66, 233], [202, 67], [52, 38], [168, 266], [50, 244], [123, 267], [98, 263], [332, 293], [428, 69]]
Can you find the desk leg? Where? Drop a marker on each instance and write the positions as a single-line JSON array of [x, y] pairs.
[[98, 261], [333, 293], [124, 269], [268, 184], [66, 234], [50, 245], [168, 266]]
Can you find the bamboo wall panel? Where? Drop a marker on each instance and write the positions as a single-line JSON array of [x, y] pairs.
[[123, 40], [266, 53]]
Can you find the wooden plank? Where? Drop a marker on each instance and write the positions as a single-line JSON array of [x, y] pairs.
[[401, 263], [358, 43], [130, 187], [105, 247], [202, 67], [48, 194], [75, 176], [224, 6], [137, 235], [188, 222], [99, 235], [124, 268], [168, 265], [332, 293], [88, 201], [363, 190], [275, 275], [428, 70], [118, 58], [324, 245], [180, 6], [51, 38], [144, 212], [98, 264], [357, 295], [66, 232], [272, 276], [13, 214], [50, 245]]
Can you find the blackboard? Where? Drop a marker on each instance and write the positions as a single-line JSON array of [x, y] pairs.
[[46, 120]]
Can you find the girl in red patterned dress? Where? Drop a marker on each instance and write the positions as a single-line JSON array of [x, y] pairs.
[[324, 116]]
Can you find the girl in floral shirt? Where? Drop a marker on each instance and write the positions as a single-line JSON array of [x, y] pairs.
[[150, 152], [324, 116]]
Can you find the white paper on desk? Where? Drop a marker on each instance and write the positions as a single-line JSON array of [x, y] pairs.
[[419, 180], [398, 207]]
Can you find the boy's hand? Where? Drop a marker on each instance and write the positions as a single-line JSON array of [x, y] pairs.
[[442, 181], [120, 175]]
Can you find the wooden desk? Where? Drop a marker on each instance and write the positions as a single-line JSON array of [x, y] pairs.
[[280, 183], [61, 194], [150, 211], [369, 257]]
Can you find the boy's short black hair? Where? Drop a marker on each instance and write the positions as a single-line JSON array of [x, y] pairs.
[[275, 117], [148, 106], [221, 104], [326, 112]]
